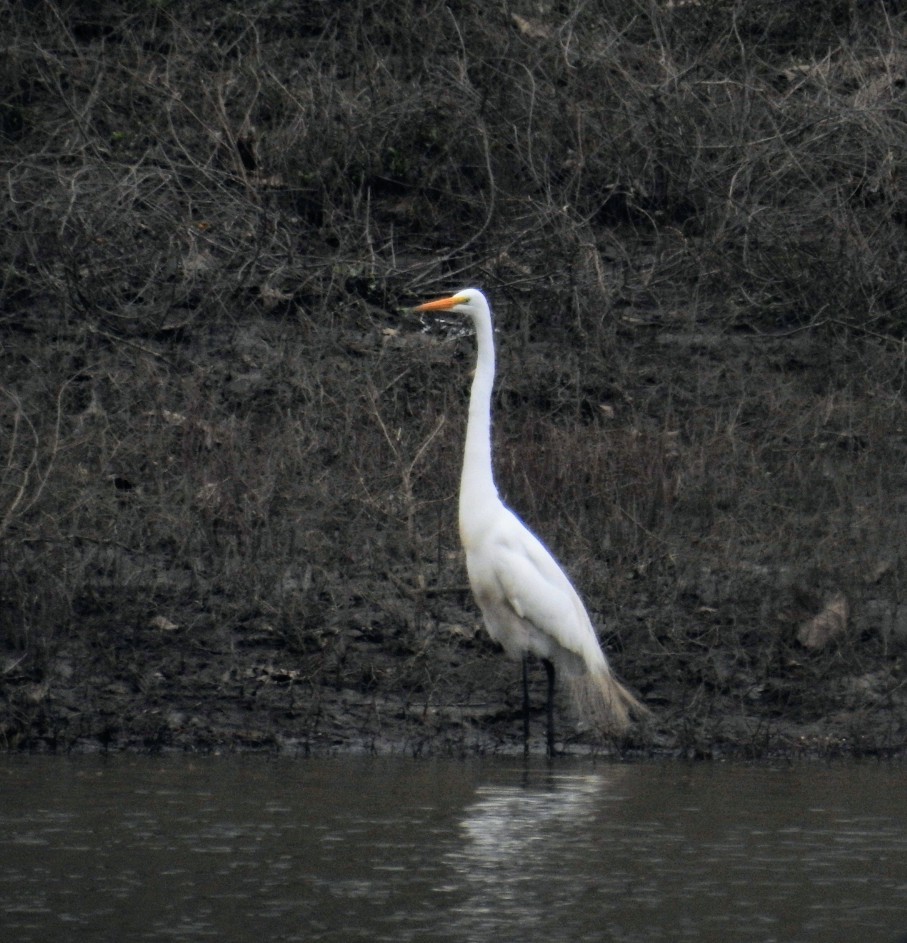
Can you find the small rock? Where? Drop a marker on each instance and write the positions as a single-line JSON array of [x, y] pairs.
[[830, 622]]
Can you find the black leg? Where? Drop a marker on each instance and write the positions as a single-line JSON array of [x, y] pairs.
[[549, 668], [526, 705]]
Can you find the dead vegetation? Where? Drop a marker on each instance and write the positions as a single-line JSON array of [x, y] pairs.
[[215, 417]]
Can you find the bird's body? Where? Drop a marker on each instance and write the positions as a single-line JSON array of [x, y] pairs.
[[528, 604]]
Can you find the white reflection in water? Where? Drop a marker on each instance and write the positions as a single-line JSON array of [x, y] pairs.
[[516, 850]]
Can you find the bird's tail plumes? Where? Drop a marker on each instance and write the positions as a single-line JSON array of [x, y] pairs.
[[601, 701]]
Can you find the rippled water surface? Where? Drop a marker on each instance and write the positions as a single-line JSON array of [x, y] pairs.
[[252, 849]]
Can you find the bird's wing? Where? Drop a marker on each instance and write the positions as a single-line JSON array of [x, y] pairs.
[[540, 593]]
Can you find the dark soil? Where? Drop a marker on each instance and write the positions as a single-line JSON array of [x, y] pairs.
[[230, 455]]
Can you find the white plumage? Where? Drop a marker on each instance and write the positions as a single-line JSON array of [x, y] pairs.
[[527, 602]]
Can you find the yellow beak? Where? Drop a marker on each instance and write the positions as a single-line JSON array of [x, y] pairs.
[[442, 304]]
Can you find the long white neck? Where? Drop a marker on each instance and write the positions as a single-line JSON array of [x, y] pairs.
[[477, 488]]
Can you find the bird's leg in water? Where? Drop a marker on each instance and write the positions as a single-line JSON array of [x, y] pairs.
[[526, 704], [549, 669]]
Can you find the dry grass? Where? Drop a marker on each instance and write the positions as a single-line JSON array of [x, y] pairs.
[[690, 217]]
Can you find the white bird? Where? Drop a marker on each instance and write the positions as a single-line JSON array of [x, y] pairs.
[[527, 602]]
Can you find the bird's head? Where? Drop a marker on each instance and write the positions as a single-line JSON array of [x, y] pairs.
[[469, 301]]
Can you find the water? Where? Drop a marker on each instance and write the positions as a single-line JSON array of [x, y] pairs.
[[250, 849]]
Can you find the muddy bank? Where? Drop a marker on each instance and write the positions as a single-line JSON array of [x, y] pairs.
[[228, 694], [411, 672], [230, 457]]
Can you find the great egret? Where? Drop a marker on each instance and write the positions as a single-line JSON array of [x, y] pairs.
[[527, 602]]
